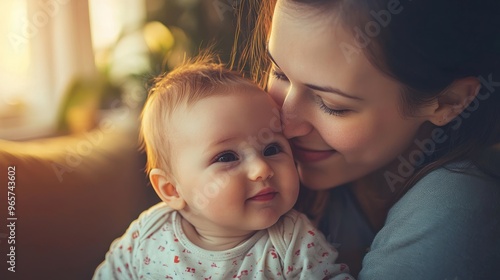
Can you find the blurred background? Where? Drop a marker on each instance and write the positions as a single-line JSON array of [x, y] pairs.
[[73, 79]]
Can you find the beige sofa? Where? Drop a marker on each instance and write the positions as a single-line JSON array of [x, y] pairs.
[[73, 196]]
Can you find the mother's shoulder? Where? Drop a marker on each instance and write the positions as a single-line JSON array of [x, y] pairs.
[[459, 184]]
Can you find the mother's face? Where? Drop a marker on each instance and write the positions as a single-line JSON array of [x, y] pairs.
[[340, 113]]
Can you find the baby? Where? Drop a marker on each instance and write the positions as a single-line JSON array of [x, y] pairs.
[[218, 160]]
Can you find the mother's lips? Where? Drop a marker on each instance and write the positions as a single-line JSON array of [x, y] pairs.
[[307, 155]]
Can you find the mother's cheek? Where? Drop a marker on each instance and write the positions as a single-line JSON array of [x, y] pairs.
[[352, 136]]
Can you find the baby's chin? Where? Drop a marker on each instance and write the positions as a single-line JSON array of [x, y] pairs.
[[271, 219]]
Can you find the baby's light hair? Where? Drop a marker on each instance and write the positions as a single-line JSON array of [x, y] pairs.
[[188, 83]]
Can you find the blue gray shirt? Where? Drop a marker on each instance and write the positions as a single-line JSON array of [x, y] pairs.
[[447, 226]]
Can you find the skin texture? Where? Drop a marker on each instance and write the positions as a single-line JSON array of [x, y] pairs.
[[221, 165], [364, 133]]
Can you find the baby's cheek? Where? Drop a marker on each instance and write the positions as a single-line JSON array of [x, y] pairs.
[[292, 178]]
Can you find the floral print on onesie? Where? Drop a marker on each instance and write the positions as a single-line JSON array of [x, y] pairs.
[[155, 247]]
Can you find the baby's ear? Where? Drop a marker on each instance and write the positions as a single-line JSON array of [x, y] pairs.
[[165, 187]]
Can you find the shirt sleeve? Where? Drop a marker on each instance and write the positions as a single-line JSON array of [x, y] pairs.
[[446, 227], [123, 260], [308, 254]]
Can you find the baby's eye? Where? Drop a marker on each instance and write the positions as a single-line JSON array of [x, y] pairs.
[[272, 149], [226, 157]]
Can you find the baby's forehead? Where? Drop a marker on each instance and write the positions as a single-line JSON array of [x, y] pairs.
[[227, 91], [234, 88], [247, 105], [225, 120]]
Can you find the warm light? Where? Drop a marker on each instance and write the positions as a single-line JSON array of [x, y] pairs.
[[14, 49], [105, 23], [158, 37]]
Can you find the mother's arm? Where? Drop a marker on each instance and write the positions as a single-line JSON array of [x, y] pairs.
[[446, 227]]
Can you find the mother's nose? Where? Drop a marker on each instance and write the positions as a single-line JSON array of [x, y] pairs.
[[295, 114]]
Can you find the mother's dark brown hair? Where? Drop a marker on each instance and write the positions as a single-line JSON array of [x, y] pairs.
[[424, 45]]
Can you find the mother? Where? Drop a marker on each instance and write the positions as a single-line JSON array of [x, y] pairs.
[[391, 108]]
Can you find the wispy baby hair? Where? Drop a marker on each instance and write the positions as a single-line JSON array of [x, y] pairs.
[[197, 78]]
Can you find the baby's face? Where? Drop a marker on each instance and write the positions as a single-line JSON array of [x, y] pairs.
[[231, 163]]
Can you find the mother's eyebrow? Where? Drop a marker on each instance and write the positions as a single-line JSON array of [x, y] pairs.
[[333, 90], [318, 88]]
